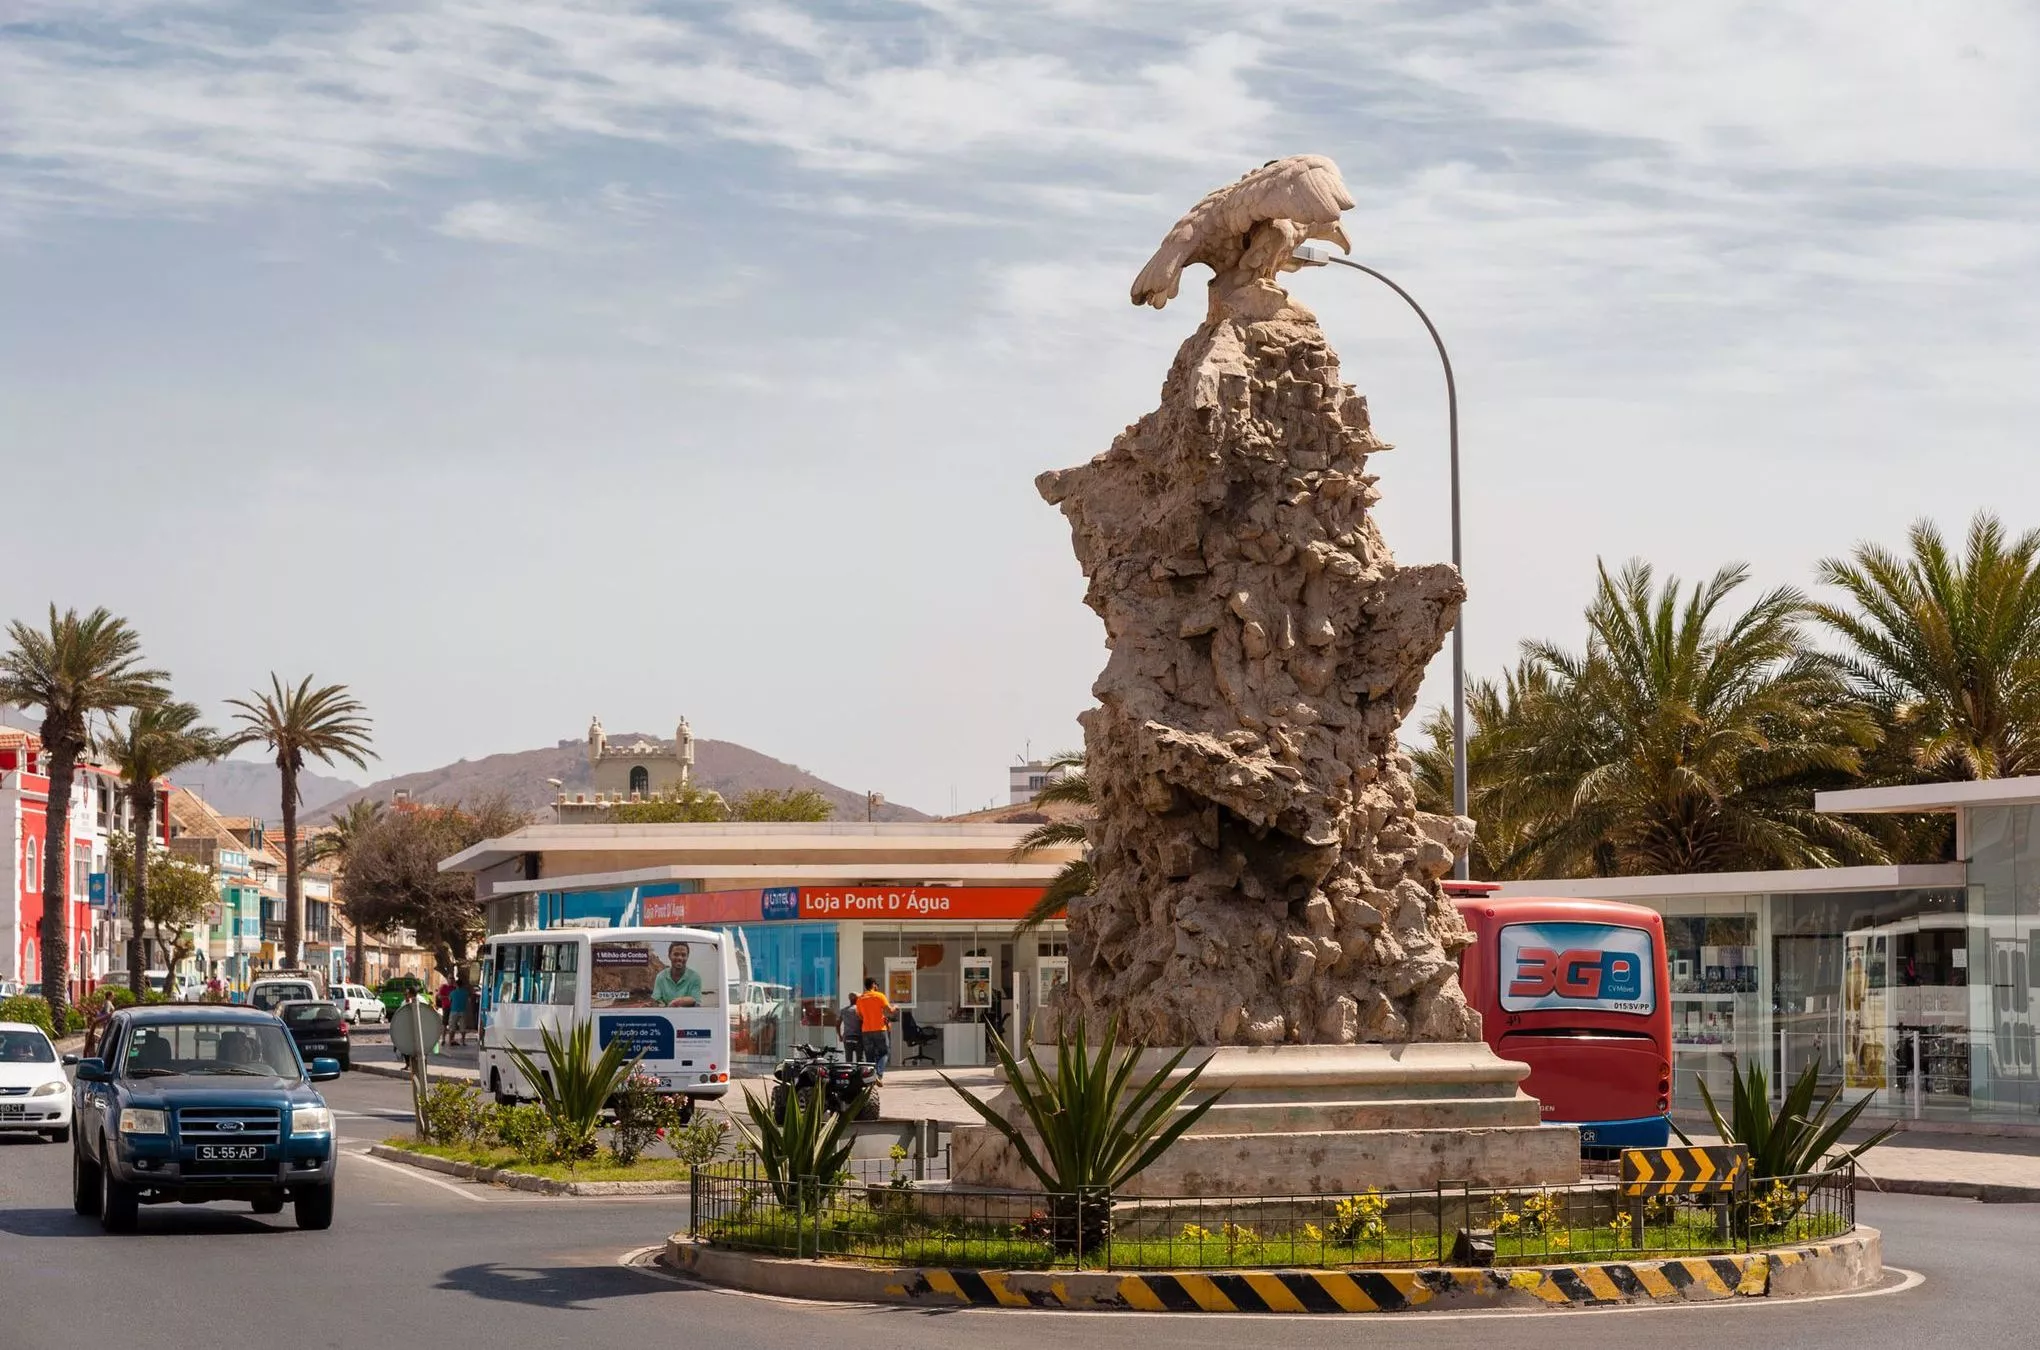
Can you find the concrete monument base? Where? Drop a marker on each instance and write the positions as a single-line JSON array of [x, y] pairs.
[[1326, 1119]]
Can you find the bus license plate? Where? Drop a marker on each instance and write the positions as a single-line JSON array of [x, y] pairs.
[[232, 1152]]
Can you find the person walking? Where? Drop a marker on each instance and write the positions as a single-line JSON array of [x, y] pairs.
[[458, 1004], [874, 1018], [850, 1028]]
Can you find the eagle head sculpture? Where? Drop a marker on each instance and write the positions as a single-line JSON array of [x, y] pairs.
[[1245, 230]]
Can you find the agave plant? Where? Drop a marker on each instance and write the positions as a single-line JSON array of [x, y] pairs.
[[575, 1084], [1097, 1130], [804, 1148], [1795, 1140]]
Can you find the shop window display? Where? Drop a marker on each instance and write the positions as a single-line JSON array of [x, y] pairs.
[[1715, 984]]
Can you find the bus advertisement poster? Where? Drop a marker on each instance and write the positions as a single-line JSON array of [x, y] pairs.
[[651, 1037], [1576, 966]]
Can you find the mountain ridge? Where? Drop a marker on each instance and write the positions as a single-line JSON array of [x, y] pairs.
[[521, 777]]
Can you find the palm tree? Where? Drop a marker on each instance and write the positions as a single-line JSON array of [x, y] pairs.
[[327, 723], [1493, 709], [1067, 786], [338, 842], [80, 668], [158, 740], [1681, 740], [1947, 649]]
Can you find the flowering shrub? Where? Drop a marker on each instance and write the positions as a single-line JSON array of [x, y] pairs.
[[643, 1114], [1774, 1206], [1359, 1218], [1543, 1213], [700, 1142]]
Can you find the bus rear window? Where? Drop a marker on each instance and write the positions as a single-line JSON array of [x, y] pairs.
[[1577, 967]]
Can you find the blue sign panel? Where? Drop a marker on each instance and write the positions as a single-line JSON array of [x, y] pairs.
[[782, 902], [95, 888], [651, 1036]]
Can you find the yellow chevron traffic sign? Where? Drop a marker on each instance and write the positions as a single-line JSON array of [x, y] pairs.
[[1707, 1170]]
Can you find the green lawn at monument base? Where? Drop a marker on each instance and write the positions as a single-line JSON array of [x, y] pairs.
[[868, 1235]]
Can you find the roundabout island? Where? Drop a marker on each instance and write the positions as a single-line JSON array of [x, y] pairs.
[[1289, 1108]]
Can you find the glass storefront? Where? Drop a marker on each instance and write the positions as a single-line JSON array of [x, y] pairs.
[[1711, 948], [2004, 911], [1870, 985], [1920, 998], [785, 989]]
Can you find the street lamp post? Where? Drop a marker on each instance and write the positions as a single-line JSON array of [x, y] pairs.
[[1316, 253]]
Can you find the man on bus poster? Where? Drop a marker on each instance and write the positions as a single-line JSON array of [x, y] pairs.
[[631, 975]]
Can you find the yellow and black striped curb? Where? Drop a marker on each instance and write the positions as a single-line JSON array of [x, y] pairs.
[[1581, 1285]]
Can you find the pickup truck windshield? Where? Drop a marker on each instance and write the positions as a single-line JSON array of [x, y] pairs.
[[162, 1048]]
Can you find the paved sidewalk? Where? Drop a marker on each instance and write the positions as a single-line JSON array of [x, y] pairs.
[[1994, 1170]]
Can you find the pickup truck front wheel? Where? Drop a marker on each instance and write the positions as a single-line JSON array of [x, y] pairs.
[[315, 1207], [84, 1185], [119, 1203]]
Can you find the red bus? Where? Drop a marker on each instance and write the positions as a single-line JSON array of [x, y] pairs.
[[1577, 990]]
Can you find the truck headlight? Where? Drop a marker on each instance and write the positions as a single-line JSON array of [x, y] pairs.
[[137, 1121], [311, 1120], [54, 1088]]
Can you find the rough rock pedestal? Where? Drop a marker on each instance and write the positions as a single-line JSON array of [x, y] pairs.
[[1263, 875], [1264, 883]]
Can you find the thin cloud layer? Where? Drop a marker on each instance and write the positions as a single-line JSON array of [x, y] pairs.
[[764, 315]]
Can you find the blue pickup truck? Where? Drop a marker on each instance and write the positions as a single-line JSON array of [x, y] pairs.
[[189, 1103]]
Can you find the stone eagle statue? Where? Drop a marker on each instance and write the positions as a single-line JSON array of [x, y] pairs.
[[1244, 232]]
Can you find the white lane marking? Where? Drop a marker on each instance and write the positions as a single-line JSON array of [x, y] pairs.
[[640, 1260], [467, 1190]]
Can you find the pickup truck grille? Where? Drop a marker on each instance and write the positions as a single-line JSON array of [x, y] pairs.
[[216, 1125]]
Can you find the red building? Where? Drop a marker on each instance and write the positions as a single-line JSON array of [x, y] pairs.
[[98, 811]]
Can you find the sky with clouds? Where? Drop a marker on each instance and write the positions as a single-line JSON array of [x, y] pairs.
[[518, 360]]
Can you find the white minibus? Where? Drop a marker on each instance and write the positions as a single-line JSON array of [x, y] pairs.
[[660, 990]]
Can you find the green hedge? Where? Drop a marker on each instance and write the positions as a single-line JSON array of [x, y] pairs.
[[26, 1008]]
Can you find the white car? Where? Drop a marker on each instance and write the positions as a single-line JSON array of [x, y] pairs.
[[267, 993], [34, 1093], [357, 1004]]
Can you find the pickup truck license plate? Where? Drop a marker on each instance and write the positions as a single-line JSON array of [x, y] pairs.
[[232, 1152]]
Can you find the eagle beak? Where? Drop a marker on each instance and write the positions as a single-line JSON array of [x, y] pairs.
[[1337, 234]]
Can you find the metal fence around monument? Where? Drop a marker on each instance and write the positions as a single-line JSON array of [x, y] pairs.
[[884, 1219]]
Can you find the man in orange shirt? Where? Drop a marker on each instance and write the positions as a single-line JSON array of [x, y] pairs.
[[874, 1016]]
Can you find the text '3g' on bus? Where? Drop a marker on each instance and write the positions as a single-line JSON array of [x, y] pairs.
[[658, 990], [1576, 990]]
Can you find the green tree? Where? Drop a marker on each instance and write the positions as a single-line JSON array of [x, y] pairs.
[[326, 723], [393, 876], [1947, 648], [1067, 786], [1681, 740], [78, 669], [337, 841], [1492, 708], [799, 804], [689, 805], [157, 740], [179, 893]]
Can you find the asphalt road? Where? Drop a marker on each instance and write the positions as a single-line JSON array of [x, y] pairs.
[[446, 1264]]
